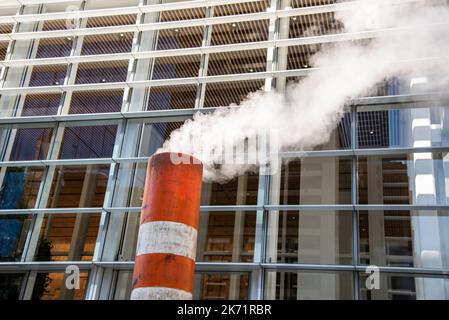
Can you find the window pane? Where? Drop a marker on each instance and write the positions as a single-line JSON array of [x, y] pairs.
[[226, 236], [10, 284], [154, 135], [176, 67], [88, 142], [48, 75], [54, 47], [324, 180], [239, 191], [20, 187], [241, 8], [223, 94], [239, 32], [51, 286], [13, 232], [314, 25], [123, 287], [108, 21], [221, 286], [30, 143], [415, 238], [237, 62], [305, 285], [41, 104], [405, 287], [172, 97], [96, 101], [399, 127], [315, 237], [102, 72], [180, 38], [67, 237], [417, 178], [78, 186], [107, 43]]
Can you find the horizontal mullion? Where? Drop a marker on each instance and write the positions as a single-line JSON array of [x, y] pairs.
[[359, 268], [400, 150], [43, 266], [233, 208], [221, 267], [300, 207], [118, 11], [56, 162], [399, 207], [37, 211]]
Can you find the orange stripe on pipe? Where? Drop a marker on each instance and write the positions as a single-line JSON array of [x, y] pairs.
[[163, 270], [172, 191]]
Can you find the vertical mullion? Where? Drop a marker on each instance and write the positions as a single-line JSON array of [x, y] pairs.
[[207, 35], [258, 275], [354, 200]]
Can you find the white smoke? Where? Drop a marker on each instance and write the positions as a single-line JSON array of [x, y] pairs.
[[306, 114]]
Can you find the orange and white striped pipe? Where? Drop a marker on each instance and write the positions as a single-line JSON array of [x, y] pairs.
[[166, 245]]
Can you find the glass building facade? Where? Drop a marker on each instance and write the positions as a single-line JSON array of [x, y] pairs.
[[90, 89]]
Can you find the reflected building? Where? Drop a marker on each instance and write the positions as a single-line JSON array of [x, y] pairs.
[[82, 110]]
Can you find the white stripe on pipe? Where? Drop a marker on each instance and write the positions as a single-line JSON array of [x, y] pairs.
[[167, 237], [160, 293]]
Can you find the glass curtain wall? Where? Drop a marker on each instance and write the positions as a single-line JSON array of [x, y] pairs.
[[84, 102]]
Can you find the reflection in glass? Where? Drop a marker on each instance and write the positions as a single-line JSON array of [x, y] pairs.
[[397, 127], [13, 232], [107, 43], [20, 187], [154, 135], [315, 237], [415, 238], [221, 286], [78, 186], [324, 180], [405, 287], [305, 285], [51, 286], [417, 178], [226, 236], [238, 191], [10, 284], [223, 94], [67, 237]]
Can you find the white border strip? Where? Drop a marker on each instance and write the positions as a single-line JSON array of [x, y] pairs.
[[167, 237], [160, 293]]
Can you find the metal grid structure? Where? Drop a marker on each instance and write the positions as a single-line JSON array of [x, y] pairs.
[[92, 103]]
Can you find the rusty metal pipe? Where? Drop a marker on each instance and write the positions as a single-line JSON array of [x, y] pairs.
[[166, 245]]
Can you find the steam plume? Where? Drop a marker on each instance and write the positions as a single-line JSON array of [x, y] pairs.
[[305, 115]]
